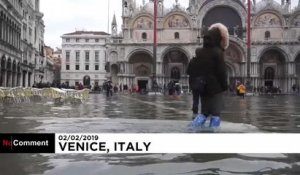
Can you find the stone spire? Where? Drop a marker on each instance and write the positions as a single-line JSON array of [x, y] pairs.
[[114, 26], [114, 21]]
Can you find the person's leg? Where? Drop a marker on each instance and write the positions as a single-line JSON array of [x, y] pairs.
[[216, 104], [200, 120], [205, 103], [196, 95]]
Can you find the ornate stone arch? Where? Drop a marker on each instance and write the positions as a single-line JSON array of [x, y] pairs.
[[268, 48], [170, 48], [241, 52], [274, 12], [134, 51], [178, 13], [221, 3], [233, 71], [134, 20], [297, 54], [175, 57]]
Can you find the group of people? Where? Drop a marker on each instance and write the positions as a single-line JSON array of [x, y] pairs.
[[173, 88]]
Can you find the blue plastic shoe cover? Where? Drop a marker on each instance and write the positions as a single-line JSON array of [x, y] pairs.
[[199, 121], [215, 121]]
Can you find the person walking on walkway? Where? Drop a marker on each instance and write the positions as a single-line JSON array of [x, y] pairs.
[[208, 76]]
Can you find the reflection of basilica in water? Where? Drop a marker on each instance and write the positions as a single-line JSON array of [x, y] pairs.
[[275, 56]]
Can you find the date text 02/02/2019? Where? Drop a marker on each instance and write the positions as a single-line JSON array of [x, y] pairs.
[[102, 146]]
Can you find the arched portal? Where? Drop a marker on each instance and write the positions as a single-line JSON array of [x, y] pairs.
[[86, 80], [175, 63], [272, 68], [230, 18], [141, 65]]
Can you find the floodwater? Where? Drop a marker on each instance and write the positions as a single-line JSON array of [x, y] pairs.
[[149, 114]]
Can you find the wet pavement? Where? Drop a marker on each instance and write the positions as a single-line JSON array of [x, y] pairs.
[[149, 114]]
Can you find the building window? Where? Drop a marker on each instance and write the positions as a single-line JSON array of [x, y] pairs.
[[97, 40], [68, 40], [144, 36], [77, 56], [96, 67], [77, 67], [87, 40], [96, 56], [67, 56], [267, 34], [77, 40], [67, 67], [87, 56], [176, 35], [87, 67]]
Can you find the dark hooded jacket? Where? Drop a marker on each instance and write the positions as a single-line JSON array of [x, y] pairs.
[[209, 63]]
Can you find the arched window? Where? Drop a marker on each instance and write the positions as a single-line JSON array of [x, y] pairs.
[[86, 80], [144, 36], [267, 34], [176, 35], [269, 73], [125, 4]]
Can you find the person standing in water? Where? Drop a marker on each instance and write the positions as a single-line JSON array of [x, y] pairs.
[[242, 90], [208, 76]]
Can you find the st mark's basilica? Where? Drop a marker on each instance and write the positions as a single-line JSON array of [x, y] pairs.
[[275, 35]]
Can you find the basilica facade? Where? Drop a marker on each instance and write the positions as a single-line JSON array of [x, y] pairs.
[[275, 42]]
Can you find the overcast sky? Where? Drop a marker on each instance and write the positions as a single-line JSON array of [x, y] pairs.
[[66, 16]]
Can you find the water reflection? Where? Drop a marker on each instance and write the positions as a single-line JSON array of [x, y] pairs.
[[150, 114]]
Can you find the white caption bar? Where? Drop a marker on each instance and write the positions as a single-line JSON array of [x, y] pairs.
[[177, 143]]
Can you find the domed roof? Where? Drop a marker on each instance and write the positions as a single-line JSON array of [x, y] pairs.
[[268, 4], [149, 7]]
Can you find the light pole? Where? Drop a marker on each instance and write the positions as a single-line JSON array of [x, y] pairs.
[[154, 83], [249, 42]]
